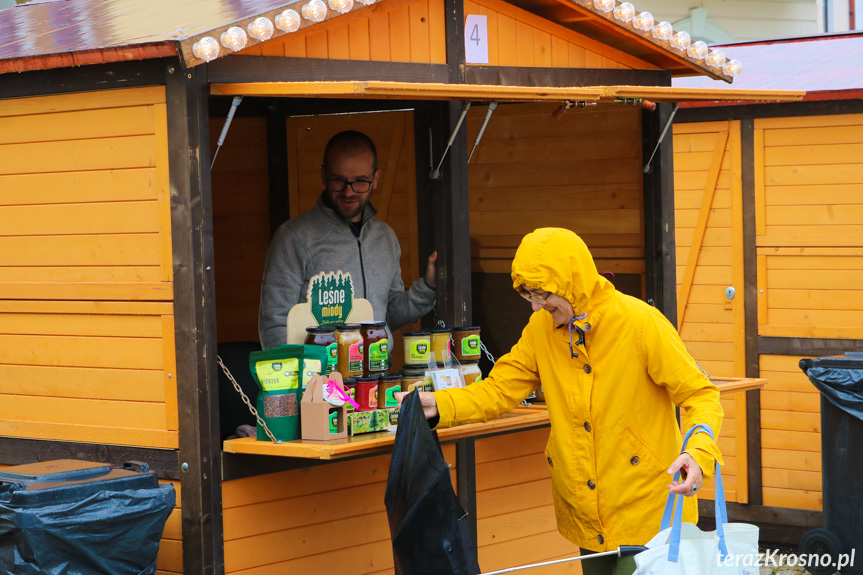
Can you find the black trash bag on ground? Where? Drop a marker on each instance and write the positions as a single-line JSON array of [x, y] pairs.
[[106, 533], [429, 528], [840, 381]]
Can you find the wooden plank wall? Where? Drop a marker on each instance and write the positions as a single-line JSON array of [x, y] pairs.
[[809, 233], [515, 513], [582, 172], [709, 234], [391, 31], [517, 37], [241, 225], [808, 175], [790, 435], [170, 561], [86, 312], [325, 519]]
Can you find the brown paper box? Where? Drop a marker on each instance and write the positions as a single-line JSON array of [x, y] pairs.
[[315, 411]]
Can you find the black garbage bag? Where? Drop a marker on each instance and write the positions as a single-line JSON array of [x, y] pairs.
[[839, 379], [429, 528], [73, 528]]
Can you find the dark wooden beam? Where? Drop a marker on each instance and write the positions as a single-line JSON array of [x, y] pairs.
[[454, 35], [87, 78], [660, 254], [277, 165], [195, 320], [806, 346], [443, 210], [750, 295], [563, 77], [777, 110], [763, 514], [236, 69], [18, 451], [465, 470]]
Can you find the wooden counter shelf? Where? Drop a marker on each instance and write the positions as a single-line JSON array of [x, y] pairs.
[[521, 418]]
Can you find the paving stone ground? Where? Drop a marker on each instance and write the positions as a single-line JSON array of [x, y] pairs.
[[780, 569]]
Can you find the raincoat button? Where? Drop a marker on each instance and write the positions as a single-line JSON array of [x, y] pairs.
[[550, 462], [591, 484], [586, 327], [600, 539], [634, 460], [587, 369], [586, 426]]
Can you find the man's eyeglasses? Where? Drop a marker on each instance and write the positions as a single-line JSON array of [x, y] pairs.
[[358, 186], [540, 297]]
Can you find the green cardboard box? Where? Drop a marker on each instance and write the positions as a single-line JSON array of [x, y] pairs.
[[371, 421]]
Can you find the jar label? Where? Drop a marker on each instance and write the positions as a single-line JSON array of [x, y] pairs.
[[390, 396], [379, 355], [420, 350], [470, 345], [275, 375], [355, 357], [332, 357], [311, 368], [352, 393], [373, 397], [334, 420]]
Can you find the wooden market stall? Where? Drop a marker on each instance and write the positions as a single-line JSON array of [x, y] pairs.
[[126, 262], [767, 201]]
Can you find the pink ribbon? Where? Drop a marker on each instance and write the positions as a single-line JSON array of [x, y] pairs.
[[334, 388]]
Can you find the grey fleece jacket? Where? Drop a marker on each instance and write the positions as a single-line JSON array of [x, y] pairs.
[[321, 240]]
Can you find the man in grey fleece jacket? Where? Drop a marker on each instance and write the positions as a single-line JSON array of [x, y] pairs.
[[341, 233]]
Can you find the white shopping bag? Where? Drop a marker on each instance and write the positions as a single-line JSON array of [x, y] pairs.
[[683, 549]]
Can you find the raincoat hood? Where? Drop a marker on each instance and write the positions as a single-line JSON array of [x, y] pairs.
[[558, 261]]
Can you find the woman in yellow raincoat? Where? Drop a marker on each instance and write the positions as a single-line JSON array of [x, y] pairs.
[[612, 369]]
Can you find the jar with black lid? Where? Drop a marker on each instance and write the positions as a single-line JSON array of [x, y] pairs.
[[377, 345], [324, 337]]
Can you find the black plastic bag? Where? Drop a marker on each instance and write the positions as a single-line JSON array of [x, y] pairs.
[[429, 528], [108, 532], [840, 381]]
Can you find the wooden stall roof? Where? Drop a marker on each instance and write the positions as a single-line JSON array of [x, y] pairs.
[[43, 35], [827, 67], [435, 91]]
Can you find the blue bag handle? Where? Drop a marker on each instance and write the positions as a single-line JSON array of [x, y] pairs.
[[674, 504]]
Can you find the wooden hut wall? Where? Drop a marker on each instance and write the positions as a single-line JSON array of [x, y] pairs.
[[517, 37], [809, 234], [241, 225], [413, 31], [391, 31], [86, 312], [709, 231], [809, 252], [515, 512], [581, 172], [324, 519]]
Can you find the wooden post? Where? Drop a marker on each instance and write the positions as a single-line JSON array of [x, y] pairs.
[[750, 293], [195, 319], [659, 248], [443, 210]]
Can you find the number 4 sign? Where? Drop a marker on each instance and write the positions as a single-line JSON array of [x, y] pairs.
[[476, 39]]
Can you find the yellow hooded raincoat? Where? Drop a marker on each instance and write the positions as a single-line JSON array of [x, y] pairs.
[[613, 427]]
